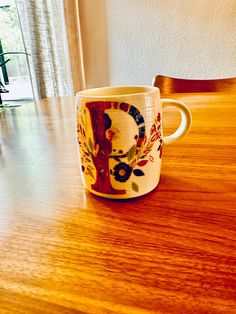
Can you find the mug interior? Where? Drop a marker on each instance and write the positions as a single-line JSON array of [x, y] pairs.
[[117, 91]]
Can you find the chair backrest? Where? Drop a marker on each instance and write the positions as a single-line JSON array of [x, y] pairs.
[[169, 85]]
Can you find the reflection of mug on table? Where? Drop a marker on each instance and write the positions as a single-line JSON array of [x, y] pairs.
[[120, 138]]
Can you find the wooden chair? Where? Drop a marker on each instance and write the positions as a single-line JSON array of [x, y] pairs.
[[170, 85]]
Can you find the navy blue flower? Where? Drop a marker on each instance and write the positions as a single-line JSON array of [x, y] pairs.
[[122, 172]]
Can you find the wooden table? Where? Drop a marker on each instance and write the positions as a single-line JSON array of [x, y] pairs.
[[64, 250]]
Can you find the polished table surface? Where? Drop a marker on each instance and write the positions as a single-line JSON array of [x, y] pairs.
[[64, 250]]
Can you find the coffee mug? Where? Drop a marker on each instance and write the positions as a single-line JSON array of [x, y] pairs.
[[120, 138]]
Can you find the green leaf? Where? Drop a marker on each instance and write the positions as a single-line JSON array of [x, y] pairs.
[[131, 153], [90, 173], [149, 146], [82, 120], [135, 187], [90, 167], [90, 143]]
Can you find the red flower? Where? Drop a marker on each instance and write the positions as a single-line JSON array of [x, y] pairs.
[[141, 140], [153, 129], [155, 137], [160, 152], [142, 163]]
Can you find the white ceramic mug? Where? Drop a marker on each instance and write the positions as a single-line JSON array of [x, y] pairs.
[[120, 138]]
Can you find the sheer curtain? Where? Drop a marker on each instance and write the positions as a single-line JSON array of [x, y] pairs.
[[45, 34]]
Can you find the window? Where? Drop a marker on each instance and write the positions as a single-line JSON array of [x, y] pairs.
[[14, 74]]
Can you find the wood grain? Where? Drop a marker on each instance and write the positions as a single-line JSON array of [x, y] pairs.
[[64, 250]]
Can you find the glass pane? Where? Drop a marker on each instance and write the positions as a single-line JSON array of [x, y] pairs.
[[14, 74]]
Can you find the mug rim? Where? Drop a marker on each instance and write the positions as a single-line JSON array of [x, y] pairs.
[[144, 90]]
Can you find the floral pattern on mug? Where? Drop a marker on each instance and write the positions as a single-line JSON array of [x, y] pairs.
[[139, 155], [128, 163]]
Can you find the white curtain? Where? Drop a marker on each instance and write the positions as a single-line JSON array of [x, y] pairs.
[[44, 33]]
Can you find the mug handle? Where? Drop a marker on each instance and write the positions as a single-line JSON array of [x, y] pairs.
[[186, 120]]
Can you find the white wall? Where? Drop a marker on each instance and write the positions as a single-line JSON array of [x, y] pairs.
[[130, 41]]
